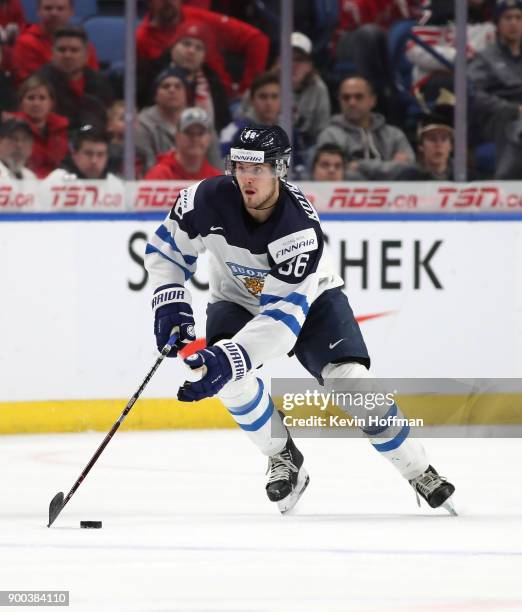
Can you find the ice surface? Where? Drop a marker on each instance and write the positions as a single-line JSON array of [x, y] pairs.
[[187, 526]]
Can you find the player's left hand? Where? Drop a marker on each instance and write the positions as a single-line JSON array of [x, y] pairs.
[[220, 363]]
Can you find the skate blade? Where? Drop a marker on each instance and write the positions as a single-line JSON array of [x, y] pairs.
[[289, 502], [449, 506]]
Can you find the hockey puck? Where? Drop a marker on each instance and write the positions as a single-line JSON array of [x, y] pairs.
[[90, 524]]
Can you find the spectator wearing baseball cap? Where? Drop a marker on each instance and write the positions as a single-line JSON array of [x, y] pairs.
[[311, 98], [16, 144], [193, 43], [188, 161], [159, 27], [497, 76], [434, 144]]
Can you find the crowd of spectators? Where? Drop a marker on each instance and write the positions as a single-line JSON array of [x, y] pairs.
[[373, 93]]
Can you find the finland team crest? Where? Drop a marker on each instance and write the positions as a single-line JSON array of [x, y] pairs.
[[252, 278]]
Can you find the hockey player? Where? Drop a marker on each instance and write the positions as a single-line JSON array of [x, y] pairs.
[[272, 291]]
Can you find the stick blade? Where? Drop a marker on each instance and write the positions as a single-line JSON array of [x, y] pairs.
[[55, 507]]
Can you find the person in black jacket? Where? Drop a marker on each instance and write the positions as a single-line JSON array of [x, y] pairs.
[[8, 98], [83, 95]]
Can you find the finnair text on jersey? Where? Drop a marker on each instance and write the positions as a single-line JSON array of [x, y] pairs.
[[296, 247]]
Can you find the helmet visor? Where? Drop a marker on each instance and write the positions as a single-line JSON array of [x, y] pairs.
[[244, 162], [243, 169]]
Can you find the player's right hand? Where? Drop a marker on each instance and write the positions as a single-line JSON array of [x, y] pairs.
[[173, 313], [217, 364]]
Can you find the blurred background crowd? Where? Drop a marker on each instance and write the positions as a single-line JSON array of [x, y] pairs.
[[372, 82]]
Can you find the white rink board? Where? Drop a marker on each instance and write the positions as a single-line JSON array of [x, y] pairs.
[[71, 328]]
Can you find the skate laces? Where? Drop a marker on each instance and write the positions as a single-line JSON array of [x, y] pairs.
[[280, 467], [426, 483]]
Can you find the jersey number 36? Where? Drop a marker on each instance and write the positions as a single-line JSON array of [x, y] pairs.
[[295, 266]]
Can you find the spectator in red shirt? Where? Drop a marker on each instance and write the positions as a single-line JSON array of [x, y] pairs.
[[158, 31], [33, 47], [205, 4], [188, 161], [193, 43], [50, 140], [12, 22], [82, 95], [11, 13]]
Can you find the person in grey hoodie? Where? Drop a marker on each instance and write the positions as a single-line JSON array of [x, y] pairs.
[[373, 148], [157, 123]]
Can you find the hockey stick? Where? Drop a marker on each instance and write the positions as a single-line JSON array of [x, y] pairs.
[[58, 502]]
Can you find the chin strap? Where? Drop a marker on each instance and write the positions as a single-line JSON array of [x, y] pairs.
[[267, 207]]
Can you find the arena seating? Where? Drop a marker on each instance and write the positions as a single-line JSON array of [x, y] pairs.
[[83, 10]]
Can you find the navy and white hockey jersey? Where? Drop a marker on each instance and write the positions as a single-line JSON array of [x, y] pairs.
[[275, 269]]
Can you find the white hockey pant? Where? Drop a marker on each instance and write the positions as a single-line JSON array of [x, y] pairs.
[[392, 441]]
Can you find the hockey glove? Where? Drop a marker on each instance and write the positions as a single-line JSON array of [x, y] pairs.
[[220, 363], [172, 313]]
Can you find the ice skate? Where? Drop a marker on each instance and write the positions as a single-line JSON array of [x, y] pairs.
[[287, 477], [434, 489]]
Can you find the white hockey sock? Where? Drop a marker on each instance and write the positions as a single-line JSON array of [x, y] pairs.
[[252, 408], [392, 441]]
